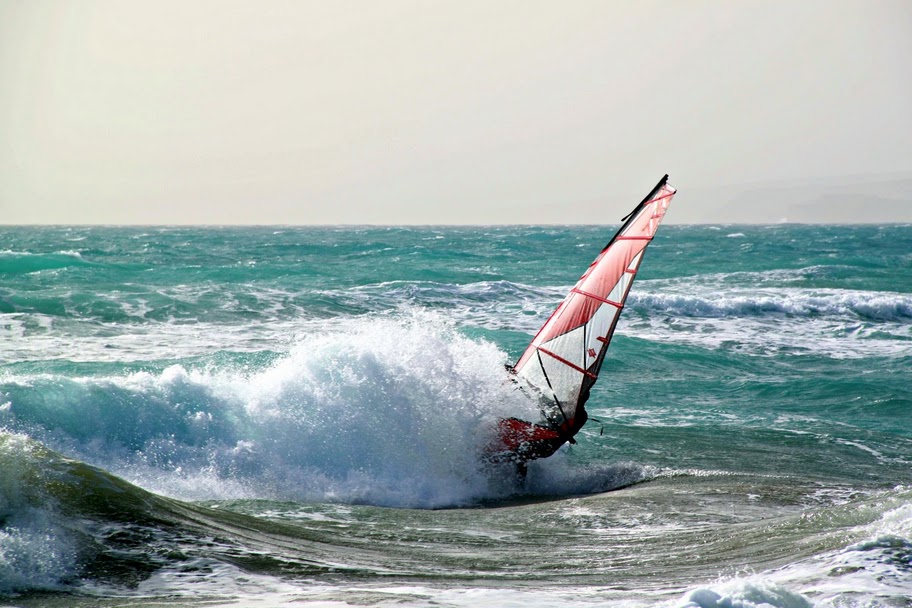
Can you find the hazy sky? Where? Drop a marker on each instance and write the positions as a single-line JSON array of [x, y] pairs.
[[460, 112]]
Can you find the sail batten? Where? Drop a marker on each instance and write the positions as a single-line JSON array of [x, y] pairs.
[[595, 297], [565, 362], [576, 336]]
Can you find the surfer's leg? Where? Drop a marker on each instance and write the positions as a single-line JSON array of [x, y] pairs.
[[521, 470]]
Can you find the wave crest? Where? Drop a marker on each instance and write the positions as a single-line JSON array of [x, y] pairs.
[[862, 305], [345, 415], [20, 262]]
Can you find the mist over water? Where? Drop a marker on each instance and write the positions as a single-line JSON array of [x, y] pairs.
[[259, 412]]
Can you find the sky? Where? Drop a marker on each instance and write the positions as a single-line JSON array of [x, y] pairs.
[[453, 112]]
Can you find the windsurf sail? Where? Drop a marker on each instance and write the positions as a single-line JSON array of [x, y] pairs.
[[564, 358]]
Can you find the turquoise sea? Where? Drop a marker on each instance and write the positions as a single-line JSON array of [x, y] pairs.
[[277, 416]]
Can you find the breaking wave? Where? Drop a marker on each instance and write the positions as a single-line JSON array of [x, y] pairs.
[[858, 305], [19, 262], [345, 415]]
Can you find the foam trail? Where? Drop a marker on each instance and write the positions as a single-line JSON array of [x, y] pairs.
[[745, 594]]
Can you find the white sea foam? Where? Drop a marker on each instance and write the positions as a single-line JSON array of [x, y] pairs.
[[745, 594], [345, 415], [741, 302], [21, 254]]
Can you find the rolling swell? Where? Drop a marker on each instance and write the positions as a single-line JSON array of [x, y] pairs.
[[70, 526]]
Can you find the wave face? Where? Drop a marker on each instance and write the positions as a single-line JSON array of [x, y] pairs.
[[290, 415]]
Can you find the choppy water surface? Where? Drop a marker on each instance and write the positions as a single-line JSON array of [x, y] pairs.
[[269, 416]]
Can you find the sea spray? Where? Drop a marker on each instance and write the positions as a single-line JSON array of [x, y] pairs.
[[345, 415]]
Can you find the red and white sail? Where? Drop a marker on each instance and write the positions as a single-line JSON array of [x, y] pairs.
[[564, 358]]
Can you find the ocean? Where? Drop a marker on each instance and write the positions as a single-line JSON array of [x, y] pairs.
[[293, 416]]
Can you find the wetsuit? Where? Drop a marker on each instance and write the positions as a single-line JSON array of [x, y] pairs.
[[520, 441], [524, 441]]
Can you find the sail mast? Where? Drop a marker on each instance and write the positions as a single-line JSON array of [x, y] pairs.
[[564, 358]]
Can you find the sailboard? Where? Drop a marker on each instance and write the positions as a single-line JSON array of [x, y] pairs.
[[563, 360]]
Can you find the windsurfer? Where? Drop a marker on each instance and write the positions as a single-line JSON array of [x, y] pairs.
[[563, 360], [520, 441]]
